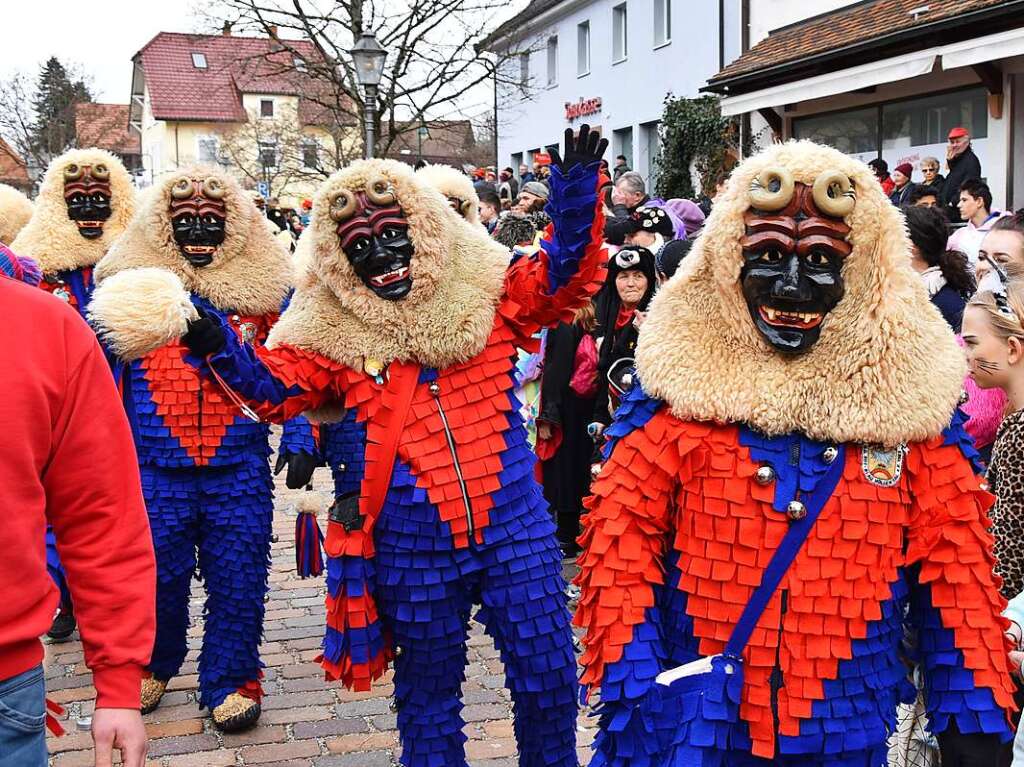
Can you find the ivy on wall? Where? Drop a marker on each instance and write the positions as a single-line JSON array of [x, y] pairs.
[[694, 134]]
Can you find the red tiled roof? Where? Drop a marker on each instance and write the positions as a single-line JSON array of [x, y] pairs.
[[181, 91], [854, 24], [106, 126], [12, 167], [450, 142]]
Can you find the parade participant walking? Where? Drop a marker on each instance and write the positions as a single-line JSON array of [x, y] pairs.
[[68, 461], [765, 525], [205, 472], [84, 204], [407, 320]]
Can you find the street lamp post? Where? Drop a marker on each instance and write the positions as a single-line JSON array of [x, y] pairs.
[[368, 57]]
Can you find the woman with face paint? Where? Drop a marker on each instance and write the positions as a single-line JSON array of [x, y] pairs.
[[1001, 254], [621, 305]]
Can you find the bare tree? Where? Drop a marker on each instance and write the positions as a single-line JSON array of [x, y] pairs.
[[434, 71]]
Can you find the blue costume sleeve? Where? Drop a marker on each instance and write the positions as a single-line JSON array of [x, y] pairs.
[[572, 207], [298, 437]]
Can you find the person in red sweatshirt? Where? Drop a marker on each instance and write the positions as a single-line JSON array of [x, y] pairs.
[[67, 458]]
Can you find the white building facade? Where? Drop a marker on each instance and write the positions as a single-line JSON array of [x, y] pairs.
[[609, 63]]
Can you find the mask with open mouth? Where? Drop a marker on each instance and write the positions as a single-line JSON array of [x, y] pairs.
[[793, 251], [87, 196], [198, 217], [374, 234]]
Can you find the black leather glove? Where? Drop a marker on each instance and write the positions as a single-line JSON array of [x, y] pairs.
[[300, 468], [204, 336], [583, 148]]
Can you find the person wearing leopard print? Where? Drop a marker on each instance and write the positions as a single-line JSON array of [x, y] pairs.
[[1006, 481]]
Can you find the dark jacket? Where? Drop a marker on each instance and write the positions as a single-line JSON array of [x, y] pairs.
[[951, 304], [617, 226], [961, 168], [900, 197]]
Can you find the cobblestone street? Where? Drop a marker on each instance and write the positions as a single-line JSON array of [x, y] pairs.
[[305, 721]]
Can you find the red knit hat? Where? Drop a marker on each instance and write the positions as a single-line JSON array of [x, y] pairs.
[[905, 168], [958, 132]]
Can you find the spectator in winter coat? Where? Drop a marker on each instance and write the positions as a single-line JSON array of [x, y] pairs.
[[881, 169], [525, 176], [508, 187], [902, 187], [68, 459], [532, 197], [628, 194], [963, 165], [930, 171], [621, 166], [975, 207], [490, 208]]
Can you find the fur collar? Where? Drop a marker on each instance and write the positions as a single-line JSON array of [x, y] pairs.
[[51, 239], [251, 273], [885, 370], [458, 276]]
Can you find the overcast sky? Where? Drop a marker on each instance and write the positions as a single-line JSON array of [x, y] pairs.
[[100, 35]]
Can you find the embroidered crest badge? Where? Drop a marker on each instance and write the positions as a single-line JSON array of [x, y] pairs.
[[882, 467], [248, 332]]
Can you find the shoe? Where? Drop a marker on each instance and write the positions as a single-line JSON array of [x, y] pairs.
[[236, 713], [153, 690], [63, 625]]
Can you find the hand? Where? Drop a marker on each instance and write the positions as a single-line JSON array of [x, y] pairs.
[[204, 336], [1016, 659], [543, 430], [119, 728], [300, 468], [585, 148]]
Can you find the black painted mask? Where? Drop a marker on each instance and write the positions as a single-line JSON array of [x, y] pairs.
[[793, 252], [374, 234], [198, 218], [87, 196]]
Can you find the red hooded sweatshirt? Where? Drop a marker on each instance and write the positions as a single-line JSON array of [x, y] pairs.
[[67, 457]]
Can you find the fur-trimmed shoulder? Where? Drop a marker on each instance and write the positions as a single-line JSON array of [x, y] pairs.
[[451, 183], [458, 276], [886, 368], [250, 273], [15, 212], [51, 239]]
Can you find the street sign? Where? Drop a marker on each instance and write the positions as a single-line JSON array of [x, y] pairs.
[[263, 188]]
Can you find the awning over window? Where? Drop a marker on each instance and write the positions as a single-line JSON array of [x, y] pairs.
[[989, 48], [843, 81]]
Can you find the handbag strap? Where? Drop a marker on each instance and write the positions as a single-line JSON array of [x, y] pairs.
[[783, 557]]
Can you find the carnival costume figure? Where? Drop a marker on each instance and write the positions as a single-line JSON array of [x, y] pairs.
[[405, 326], [15, 212], [456, 187], [788, 489], [84, 204], [203, 456]]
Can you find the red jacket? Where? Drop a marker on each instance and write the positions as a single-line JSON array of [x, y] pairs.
[[67, 457]]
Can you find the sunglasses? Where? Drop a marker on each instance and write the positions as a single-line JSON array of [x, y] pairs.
[[929, 170]]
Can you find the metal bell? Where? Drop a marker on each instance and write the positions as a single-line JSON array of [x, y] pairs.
[[434, 388], [765, 475], [796, 510], [830, 454]]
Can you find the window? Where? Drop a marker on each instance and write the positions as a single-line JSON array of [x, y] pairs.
[[620, 45], [268, 154], [524, 70], [199, 60], [853, 131], [662, 22], [622, 143], [266, 107], [208, 149], [650, 143], [552, 61], [310, 154], [583, 49], [299, 63]]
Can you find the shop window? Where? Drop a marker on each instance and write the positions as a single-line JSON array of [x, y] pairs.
[[622, 143], [928, 120], [620, 33], [854, 131]]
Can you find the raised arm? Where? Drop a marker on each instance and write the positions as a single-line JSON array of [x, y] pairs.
[[955, 602]]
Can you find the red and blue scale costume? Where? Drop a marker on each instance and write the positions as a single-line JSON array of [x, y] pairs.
[[462, 520], [209, 494], [678, 534]]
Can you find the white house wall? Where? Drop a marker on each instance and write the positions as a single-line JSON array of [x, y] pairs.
[[632, 91]]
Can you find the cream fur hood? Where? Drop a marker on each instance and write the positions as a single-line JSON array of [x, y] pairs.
[[886, 368], [250, 273], [15, 212], [457, 281], [451, 183]]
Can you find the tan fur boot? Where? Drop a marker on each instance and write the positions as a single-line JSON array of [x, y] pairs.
[[152, 691], [236, 713]]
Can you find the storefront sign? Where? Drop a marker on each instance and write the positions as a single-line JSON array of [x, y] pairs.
[[582, 108]]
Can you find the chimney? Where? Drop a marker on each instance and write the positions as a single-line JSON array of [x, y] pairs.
[[272, 30], [226, 29]]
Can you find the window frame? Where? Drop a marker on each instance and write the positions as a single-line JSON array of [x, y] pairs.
[[552, 61], [665, 7], [583, 28], [273, 109], [524, 70], [310, 144], [620, 32], [271, 146], [199, 60], [207, 138]]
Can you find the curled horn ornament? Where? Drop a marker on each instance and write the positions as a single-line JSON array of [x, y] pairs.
[[761, 195], [834, 194], [379, 192], [100, 172], [343, 205], [213, 189], [182, 189], [73, 172]]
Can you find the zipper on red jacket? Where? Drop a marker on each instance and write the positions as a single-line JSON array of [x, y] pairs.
[[435, 390]]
